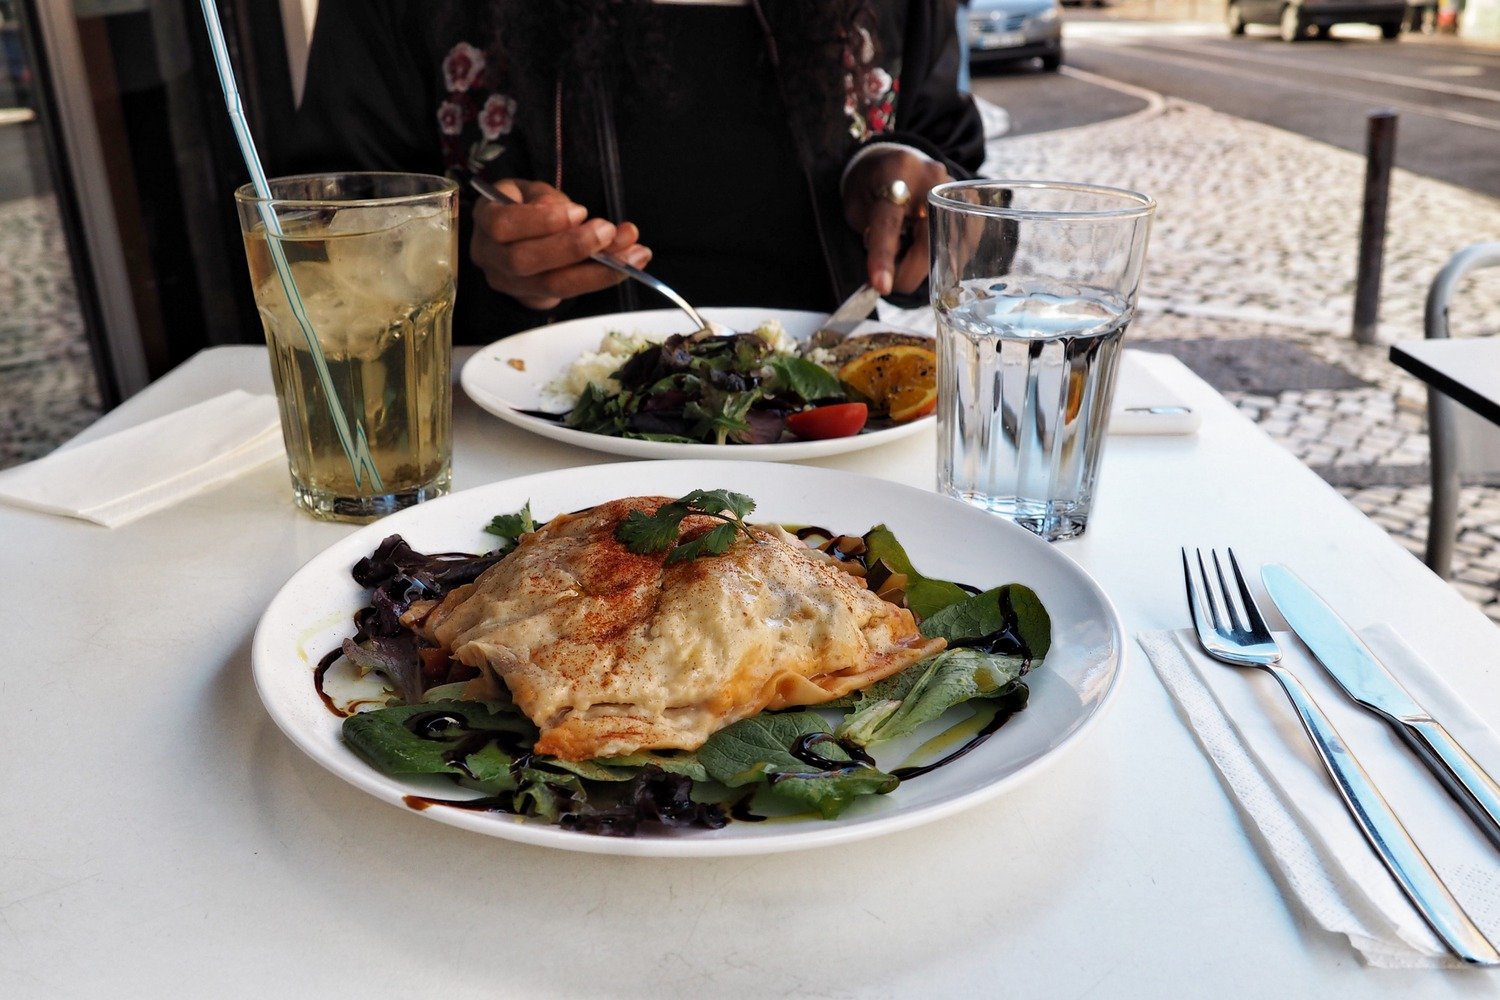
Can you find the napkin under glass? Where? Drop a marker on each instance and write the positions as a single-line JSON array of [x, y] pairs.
[[1246, 725], [134, 472]]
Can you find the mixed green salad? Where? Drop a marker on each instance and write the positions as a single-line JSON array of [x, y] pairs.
[[813, 761], [698, 387], [760, 387]]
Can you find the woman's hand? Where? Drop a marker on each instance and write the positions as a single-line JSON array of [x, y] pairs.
[[882, 222], [538, 251]]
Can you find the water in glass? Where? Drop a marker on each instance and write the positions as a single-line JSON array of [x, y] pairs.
[[1026, 375]]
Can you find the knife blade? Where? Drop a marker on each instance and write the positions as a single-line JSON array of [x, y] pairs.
[[1365, 679], [850, 313]]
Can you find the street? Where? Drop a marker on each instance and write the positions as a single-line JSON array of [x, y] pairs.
[[1447, 93], [1254, 151]]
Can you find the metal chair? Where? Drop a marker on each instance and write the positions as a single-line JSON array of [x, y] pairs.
[[1462, 443]]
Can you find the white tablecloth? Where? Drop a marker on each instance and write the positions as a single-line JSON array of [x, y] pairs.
[[159, 836]]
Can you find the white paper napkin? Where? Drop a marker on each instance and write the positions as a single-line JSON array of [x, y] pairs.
[[1247, 727], [127, 475]]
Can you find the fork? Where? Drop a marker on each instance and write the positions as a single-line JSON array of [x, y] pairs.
[[1249, 643], [610, 261]]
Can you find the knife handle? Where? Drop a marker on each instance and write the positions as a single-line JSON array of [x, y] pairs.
[[1474, 789], [1380, 826]]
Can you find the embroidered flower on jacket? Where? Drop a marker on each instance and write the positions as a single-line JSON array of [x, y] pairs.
[[869, 89], [473, 115], [451, 117], [497, 117], [462, 66], [871, 106]]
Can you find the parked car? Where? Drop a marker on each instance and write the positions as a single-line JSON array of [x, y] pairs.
[[1297, 18], [1011, 30]]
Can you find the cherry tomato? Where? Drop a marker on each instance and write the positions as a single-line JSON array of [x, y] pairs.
[[836, 421]]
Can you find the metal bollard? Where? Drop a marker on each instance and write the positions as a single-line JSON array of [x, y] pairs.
[[1380, 154]]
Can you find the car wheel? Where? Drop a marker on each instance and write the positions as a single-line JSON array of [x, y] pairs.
[[1051, 61], [1235, 19], [1390, 32], [1292, 27]]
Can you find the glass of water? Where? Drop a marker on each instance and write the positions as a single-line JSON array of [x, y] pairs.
[[1033, 283]]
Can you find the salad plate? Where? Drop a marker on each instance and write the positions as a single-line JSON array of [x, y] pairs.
[[510, 377], [312, 614]]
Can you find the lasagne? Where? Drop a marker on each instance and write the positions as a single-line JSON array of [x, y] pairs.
[[609, 651]]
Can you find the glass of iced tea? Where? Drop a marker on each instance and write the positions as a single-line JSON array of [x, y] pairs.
[[372, 256]]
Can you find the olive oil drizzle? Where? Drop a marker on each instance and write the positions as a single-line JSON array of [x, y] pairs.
[[1006, 708]]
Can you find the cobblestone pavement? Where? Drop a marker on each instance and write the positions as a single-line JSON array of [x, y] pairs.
[[1250, 281], [47, 387]]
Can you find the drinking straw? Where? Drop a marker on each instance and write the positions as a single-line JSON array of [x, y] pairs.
[[356, 447]]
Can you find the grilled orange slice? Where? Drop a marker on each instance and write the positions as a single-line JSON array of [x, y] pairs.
[[899, 382]]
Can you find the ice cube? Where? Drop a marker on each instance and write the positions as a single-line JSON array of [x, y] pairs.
[[426, 255]]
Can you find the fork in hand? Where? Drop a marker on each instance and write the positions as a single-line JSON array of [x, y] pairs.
[[484, 187], [1249, 643]]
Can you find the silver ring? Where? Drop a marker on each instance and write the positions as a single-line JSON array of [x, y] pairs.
[[896, 192]]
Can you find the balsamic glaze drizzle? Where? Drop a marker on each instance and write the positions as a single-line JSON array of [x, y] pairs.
[[1005, 640], [318, 672], [803, 750]]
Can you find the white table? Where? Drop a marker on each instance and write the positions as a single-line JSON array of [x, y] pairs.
[[160, 837]]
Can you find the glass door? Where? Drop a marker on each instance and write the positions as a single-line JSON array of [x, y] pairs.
[[49, 384], [118, 237]]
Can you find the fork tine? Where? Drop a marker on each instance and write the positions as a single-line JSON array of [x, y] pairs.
[[1192, 594], [1226, 594], [1252, 610], [1208, 592], [1196, 610]]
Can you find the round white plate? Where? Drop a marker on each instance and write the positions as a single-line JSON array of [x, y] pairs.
[[500, 387], [945, 538]]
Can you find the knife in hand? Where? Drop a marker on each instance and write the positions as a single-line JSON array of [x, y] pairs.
[[1366, 680], [841, 322]]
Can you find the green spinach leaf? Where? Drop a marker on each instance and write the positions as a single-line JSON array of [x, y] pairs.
[[990, 612], [388, 743], [625, 767], [759, 749], [950, 678], [923, 596], [811, 381]]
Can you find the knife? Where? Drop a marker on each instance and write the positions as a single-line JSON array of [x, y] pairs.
[[1367, 681], [842, 321]]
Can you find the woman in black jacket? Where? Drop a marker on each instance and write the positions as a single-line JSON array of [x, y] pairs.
[[754, 152]]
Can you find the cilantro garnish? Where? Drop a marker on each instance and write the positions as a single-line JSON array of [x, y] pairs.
[[510, 527], [645, 534]]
